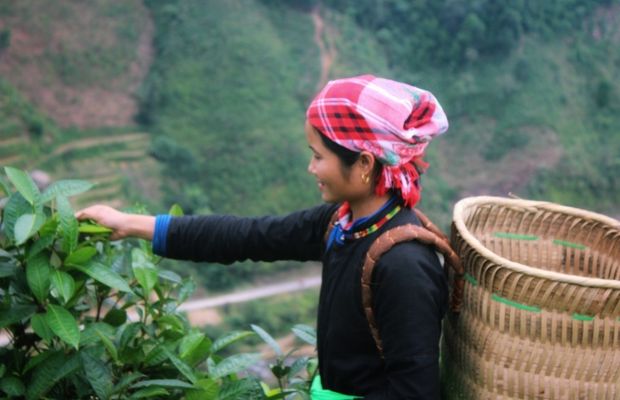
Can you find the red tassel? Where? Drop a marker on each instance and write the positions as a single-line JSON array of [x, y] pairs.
[[404, 178]]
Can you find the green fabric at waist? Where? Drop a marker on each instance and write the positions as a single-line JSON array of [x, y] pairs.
[[318, 393]]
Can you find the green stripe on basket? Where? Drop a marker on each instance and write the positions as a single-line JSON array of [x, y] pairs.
[[570, 244], [507, 235], [515, 304], [470, 279], [582, 317]]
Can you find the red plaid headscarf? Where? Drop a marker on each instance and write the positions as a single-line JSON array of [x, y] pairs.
[[392, 120]]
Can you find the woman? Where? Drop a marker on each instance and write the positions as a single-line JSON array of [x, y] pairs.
[[367, 137]]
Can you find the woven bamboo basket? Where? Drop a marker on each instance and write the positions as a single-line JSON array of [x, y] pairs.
[[541, 306]]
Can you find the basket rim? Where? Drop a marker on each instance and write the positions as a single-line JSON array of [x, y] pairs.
[[469, 202]]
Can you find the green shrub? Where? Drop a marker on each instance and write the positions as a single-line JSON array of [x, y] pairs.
[[87, 317]]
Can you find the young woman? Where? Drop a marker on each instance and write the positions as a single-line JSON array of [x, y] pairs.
[[367, 136]]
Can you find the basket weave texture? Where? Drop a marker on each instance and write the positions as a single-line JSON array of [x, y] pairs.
[[541, 308]]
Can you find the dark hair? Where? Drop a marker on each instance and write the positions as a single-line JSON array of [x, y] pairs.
[[347, 157]]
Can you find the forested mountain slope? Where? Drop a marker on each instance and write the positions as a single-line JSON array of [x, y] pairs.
[[217, 90], [530, 88]]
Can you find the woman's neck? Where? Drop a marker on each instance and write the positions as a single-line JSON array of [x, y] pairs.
[[367, 206]]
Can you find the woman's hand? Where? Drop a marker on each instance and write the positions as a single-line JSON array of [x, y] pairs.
[[122, 224]]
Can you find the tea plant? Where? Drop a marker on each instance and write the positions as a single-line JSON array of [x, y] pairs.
[[85, 317]]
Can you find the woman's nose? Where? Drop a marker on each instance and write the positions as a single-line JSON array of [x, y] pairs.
[[311, 166]]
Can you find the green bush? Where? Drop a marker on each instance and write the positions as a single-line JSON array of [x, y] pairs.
[[87, 317]]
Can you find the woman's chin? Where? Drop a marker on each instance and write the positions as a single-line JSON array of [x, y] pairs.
[[327, 198]]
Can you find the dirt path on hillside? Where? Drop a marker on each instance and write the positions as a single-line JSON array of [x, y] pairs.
[[324, 40], [201, 311]]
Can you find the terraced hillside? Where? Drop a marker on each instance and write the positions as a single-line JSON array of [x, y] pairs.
[[118, 164], [80, 63], [68, 95]]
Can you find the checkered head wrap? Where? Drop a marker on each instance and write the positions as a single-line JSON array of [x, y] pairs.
[[392, 120]]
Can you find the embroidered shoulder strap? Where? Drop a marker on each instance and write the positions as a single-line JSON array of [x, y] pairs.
[[428, 234]]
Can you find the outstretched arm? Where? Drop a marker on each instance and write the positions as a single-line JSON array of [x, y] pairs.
[[223, 239], [226, 239]]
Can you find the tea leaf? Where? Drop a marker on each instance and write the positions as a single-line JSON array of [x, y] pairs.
[[204, 389], [144, 271], [49, 373], [183, 368], [66, 188], [305, 333], [26, 226], [129, 333], [156, 356], [89, 335], [170, 383], [176, 210], [187, 289], [241, 389], [39, 358], [171, 320], [107, 343], [41, 328], [105, 275], [267, 338], [194, 348], [63, 324], [98, 375], [298, 366], [24, 184], [126, 380], [86, 227], [40, 244], [12, 386], [15, 208], [234, 364], [81, 255], [68, 224], [16, 314], [228, 339], [38, 276], [64, 284], [149, 392], [170, 276]]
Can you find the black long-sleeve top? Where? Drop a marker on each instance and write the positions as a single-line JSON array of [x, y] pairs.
[[409, 295]]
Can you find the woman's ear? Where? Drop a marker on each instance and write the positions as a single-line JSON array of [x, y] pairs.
[[367, 162]]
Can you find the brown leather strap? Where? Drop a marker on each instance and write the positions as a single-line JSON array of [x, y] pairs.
[[452, 260], [428, 234]]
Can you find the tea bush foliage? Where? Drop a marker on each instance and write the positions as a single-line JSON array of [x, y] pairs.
[[86, 317]]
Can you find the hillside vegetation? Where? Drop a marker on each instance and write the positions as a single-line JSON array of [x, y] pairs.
[[531, 90], [67, 98]]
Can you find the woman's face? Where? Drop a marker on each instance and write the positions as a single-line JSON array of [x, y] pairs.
[[325, 165]]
